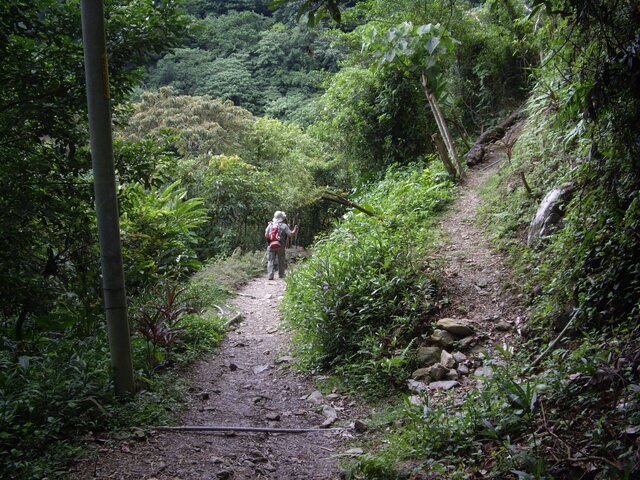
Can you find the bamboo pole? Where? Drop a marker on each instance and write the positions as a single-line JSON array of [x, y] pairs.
[[101, 141]]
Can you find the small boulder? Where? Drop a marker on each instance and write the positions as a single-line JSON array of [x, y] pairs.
[[447, 360], [459, 357], [503, 326], [445, 385], [421, 373], [315, 397], [330, 415], [442, 337], [550, 215], [438, 371], [456, 326], [427, 356]]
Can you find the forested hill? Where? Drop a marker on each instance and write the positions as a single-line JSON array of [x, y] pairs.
[[225, 112], [261, 60]]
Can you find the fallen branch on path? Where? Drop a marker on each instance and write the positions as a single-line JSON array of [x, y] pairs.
[[236, 319], [205, 428], [476, 154]]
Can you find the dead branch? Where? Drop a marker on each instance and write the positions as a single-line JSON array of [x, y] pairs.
[[476, 154], [526, 185], [236, 319]]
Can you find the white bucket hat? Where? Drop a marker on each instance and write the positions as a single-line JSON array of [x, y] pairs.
[[279, 216]]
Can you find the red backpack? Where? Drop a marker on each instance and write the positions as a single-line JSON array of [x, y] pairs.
[[275, 236]]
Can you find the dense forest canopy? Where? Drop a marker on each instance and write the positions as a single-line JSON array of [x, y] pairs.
[[225, 111]]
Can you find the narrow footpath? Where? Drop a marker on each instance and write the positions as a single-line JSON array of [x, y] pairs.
[[249, 384]]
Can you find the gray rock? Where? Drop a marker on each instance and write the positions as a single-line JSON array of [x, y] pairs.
[[444, 385], [442, 337], [549, 216], [421, 373], [451, 375], [427, 356], [467, 342], [315, 397], [330, 415], [285, 359], [438, 371], [354, 451], [260, 368], [418, 386], [483, 372], [503, 326], [447, 360], [456, 326], [463, 370], [459, 357]]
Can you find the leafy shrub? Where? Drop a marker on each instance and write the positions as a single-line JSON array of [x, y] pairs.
[[159, 233], [48, 396], [365, 291]]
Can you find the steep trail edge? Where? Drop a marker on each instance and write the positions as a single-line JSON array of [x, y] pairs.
[[249, 381]]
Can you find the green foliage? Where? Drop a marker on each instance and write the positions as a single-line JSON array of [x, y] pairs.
[[589, 266], [273, 167], [229, 78], [236, 195], [361, 298], [493, 64], [159, 237], [173, 329], [47, 395], [48, 248], [249, 59], [313, 10], [159, 323], [507, 426], [421, 51], [202, 8], [219, 278], [189, 126], [234, 32], [371, 121], [61, 387]]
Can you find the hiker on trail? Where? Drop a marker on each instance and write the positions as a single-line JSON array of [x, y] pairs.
[[276, 234]]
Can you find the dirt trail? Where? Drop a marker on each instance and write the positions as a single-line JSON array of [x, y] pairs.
[[475, 273], [249, 382]]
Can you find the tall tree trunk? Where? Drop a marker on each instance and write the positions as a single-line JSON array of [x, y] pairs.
[[442, 126], [444, 156]]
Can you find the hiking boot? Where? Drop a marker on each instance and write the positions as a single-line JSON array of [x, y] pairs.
[[270, 277]]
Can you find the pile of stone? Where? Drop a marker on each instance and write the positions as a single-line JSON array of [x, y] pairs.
[[443, 366]]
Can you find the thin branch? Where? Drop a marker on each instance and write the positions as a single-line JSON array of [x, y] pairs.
[[334, 197], [205, 428]]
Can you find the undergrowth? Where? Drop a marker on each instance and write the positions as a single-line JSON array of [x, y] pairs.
[[358, 304], [57, 388]]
